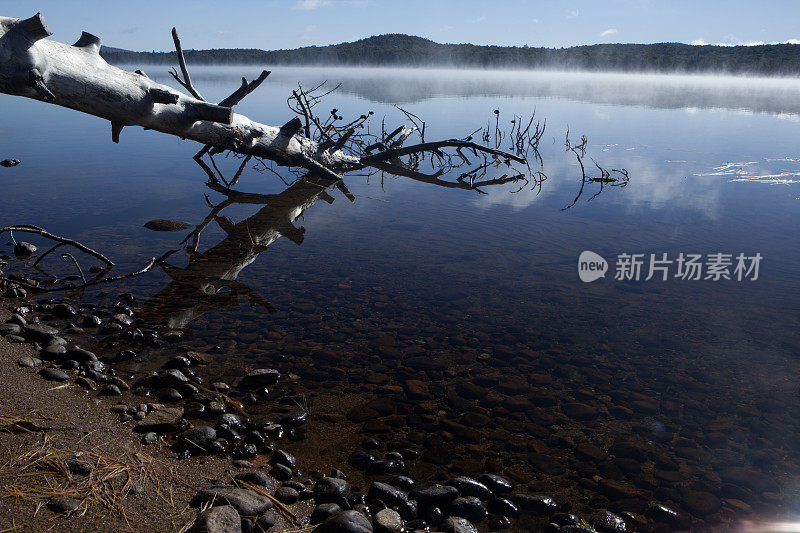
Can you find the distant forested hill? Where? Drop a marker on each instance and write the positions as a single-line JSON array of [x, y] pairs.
[[398, 49]]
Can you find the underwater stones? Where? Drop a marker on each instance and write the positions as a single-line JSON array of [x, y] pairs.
[[546, 464], [580, 411], [701, 503], [261, 377], [587, 450], [362, 413], [616, 490], [416, 389]]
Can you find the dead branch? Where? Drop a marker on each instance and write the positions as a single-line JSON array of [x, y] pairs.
[[27, 228], [186, 82], [244, 90]]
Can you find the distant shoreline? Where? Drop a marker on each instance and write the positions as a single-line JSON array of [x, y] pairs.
[[409, 51]]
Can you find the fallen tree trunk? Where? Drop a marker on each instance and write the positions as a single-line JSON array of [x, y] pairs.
[[78, 78]]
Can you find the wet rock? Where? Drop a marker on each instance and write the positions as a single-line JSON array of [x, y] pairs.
[[502, 506], [438, 495], [265, 522], [496, 484], [160, 224], [220, 519], [281, 457], [388, 521], [402, 482], [535, 504], [54, 352], [323, 512], [455, 524], [566, 519], [608, 522], [248, 503], [24, 249], [172, 378], [499, 522], [361, 459], [293, 420], [70, 364], [63, 505], [469, 507], [8, 163], [53, 374], [345, 522], [110, 390], [193, 410], [386, 466], [27, 362], [10, 329], [40, 332], [64, 310], [332, 490], [281, 472], [163, 419], [255, 477], [262, 377], [196, 439], [387, 494], [287, 495]]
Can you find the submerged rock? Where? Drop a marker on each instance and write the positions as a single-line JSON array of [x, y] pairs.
[[160, 224], [8, 163]]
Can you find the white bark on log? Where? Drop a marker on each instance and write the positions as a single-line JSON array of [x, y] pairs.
[[77, 77]]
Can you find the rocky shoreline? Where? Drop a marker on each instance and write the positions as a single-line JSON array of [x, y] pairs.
[[172, 408]]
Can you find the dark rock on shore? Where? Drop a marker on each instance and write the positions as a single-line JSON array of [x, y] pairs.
[[197, 439], [467, 486], [221, 519], [163, 419], [332, 490], [53, 374], [495, 483], [387, 494], [388, 521], [458, 525], [468, 507], [439, 495], [535, 503], [248, 503], [345, 522], [63, 505]]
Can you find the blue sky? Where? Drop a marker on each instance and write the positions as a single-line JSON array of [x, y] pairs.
[[272, 24]]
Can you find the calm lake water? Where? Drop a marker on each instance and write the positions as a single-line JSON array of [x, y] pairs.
[[682, 391]]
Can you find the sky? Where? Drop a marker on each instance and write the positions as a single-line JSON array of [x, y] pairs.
[[275, 24]]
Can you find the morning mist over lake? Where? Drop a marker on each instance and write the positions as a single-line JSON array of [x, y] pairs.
[[339, 266]]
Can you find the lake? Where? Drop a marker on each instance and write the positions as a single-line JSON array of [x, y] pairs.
[[455, 322]]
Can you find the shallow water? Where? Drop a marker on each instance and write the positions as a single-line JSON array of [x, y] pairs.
[[688, 386]]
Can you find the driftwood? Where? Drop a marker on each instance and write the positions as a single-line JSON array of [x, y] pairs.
[[77, 77]]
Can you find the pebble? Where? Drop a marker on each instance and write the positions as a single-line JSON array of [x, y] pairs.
[[150, 438], [323, 512], [248, 503], [496, 484], [455, 524], [536, 504], [345, 522], [361, 459], [220, 519], [53, 374], [608, 522], [438, 495], [281, 472], [386, 493], [261, 377], [110, 390], [63, 505], [332, 490], [501, 506], [40, 332], [467, 486], [266, 521], [196, 439], [388, 521], [499, 522], [24, 249], [469, 507], [281, 457], [287, 495], [10, 329], [27, 362]]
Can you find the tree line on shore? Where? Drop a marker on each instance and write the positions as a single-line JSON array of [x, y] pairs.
[[405, 50]]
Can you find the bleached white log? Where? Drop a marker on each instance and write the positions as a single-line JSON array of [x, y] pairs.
[[77, 77]]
